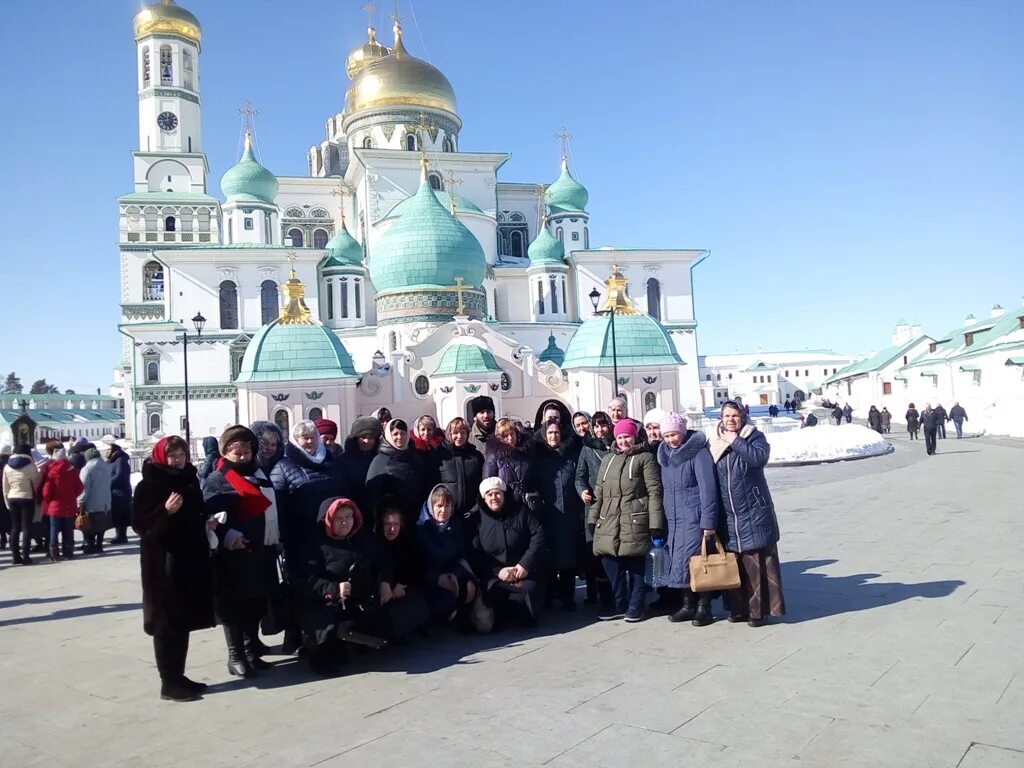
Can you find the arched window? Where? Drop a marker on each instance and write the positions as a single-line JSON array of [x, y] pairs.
[[186, 65], [295, 235], [294, 213], [268, 301], [367, 142], [153, 281], [228, 305], [516, 244], [650, 401], [152, 372], [586, 238], [319, 213], [282, 421], [154, 423], [170, 225], [358, 297], [392, 342], [320, 238], [145, 67], [330, 299], [446, 145], [435, 181], [315, 413], [654, 298], [559, 235], [540, 297], [166, 66], [554, 297], [410, 142]]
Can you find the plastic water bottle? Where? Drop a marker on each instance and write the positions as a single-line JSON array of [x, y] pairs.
[[657, 566]]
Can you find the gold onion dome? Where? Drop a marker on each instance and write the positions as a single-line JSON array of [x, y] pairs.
[[368, 52], [166, 18], [399, 80]]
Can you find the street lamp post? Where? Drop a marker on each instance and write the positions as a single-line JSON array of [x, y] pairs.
[[198, 322], [595, 297]]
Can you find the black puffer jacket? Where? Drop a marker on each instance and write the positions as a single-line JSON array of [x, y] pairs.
[[461, 469], [513, 536], [396, 473], [302, 485], [552, 476]]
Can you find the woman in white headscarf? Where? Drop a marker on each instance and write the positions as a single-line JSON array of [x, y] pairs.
[[397, 472]]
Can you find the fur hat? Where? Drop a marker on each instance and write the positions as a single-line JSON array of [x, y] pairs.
[[326, 427], [365, 424], [625, 427], [236, 434], [491, 484], [481, 403], [673, 422]]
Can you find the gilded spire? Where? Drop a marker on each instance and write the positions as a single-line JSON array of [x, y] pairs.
[[616, 295], [294, 311]]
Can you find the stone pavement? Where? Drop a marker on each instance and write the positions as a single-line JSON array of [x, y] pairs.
[[902, 648]]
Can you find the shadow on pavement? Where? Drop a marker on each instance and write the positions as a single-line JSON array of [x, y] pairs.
[[817, 595], [74, 613], [36, 601]]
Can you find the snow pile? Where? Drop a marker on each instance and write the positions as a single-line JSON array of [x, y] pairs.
[[825, 443]]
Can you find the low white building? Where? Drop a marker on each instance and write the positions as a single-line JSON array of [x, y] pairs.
[[63, 417], [766, 378]]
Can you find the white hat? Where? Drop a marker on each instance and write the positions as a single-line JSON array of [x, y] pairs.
[[654, 416], [492, 484]]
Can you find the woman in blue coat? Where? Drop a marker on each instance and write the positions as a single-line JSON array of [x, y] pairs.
[[692, 509], [750, 528]]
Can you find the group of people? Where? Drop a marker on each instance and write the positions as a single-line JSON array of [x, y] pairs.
[[933, 422], [402, 528], [44, 493], [840, 414], [880, 420]]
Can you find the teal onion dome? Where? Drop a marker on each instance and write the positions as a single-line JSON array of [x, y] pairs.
[[566, 195], [295, 352], [552, 354], [462, 205], [546, 249], [462, 358], [640, 341], [247, 180], [343, 250], [426, 247]]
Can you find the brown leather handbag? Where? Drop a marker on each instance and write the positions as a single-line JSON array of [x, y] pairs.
[[718, 571]]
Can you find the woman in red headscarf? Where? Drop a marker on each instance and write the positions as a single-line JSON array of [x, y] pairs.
[[177, 594]]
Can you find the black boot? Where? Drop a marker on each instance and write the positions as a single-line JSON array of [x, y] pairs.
[[177, 690], [253, 647], [685, 613], [54, 554], [238, 665], [703, 615]]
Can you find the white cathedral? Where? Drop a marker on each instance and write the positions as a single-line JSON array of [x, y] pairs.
[[401, 272]]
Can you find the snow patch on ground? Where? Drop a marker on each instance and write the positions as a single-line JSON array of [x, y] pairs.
[[825, 443]]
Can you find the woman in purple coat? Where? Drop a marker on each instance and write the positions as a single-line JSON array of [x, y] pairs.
[[692, 509], [508, 457]]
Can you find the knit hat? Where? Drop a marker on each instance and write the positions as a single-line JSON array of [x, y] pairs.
[[365, 424], [326, 427], [673, 422], [655, 416], [236, 434], [625, 427], [492, 484], [481, 403]]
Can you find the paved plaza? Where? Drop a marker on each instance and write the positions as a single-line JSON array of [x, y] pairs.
[[902, 647]]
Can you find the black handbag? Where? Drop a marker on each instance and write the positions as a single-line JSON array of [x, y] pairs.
[[278, 617]]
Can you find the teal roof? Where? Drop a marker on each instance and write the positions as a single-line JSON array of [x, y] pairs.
[[426, 246], [640, 341], [546, 249], [875, 362], [759, 366], [461, 204], [295, 352], [343, 251], [157, 198], [552, 353], [566, 195], [1015, 360], [247, 180], [462, 358]]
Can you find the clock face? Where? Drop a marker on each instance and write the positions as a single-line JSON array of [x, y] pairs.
[[167, 121]]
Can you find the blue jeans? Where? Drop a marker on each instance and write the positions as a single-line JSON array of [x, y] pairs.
[[65, 526], [626, 578], [959, 429]]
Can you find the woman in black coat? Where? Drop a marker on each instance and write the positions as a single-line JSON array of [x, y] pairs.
[[340, 582], [240, 497], [404, 608], [551, 482], [508, 555], [461, 467], [177, 589], [595, 446], [508, 457], [396, 471], [361, 446]]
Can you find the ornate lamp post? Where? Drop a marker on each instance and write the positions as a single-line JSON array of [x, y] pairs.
[[595, 297], [198, 322]]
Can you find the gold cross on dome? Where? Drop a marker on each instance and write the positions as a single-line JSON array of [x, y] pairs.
[[459, 289], [369, 8], [396, 16], [453, 183], [563, 136], [292, 256]]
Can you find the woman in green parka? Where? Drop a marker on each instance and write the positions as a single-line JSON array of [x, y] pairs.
[[626, 512]]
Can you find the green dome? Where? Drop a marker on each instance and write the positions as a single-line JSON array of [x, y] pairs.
[[247, 180], [427, 246], [640, 341], [552, 354], [546, 249], [566, 195], [295, 352], [461, 358], [343, 250], [462, 205]]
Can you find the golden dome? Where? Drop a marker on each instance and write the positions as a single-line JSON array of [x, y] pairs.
[[399, 80], [166, 18], [366, 53]]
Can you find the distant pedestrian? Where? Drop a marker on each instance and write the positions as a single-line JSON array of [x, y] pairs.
[[913, 422], [787, 405], [958, 416], [943, 417], [837, 414], [875, 419], [886, 421], [930, 423], [809, 421], [95, 498], [848, 413]]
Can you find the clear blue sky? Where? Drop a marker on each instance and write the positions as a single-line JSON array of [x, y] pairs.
[[847, 163]]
